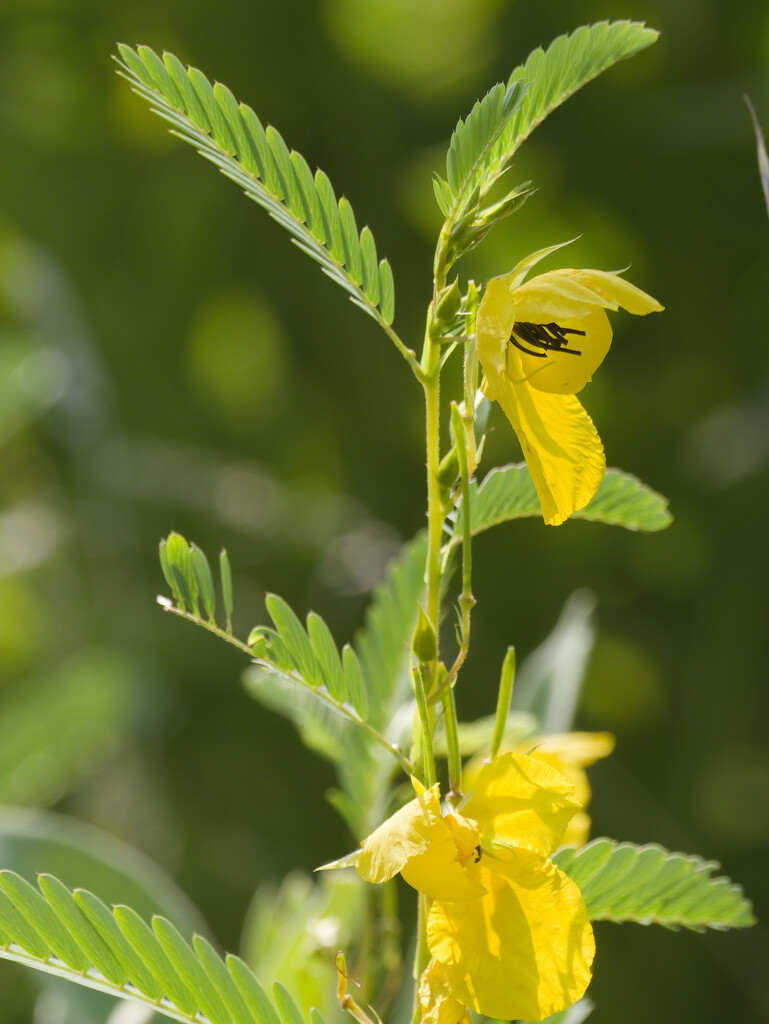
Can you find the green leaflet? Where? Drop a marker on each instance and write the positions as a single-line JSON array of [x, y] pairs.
[[508, 493], [471, 144], [570, 62], [298, 674], [187, 981], [623, 882], [231, 136]]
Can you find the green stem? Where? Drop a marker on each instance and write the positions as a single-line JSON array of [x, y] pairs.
[[427, 731], [321, 693], [503, 700], [452, 744], [422, 953]]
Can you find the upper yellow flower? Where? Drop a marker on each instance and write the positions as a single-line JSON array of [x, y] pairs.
[[539, 343], [509, 933], [569, 754]]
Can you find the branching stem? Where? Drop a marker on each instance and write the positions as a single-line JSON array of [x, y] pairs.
[[320, 692]]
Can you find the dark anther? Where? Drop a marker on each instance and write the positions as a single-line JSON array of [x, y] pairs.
[[477, 854], [547, 337]]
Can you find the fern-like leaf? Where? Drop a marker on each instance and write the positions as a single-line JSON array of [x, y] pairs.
[[472, 142], [231, 136], [646, 884], [508, 493], [482, 147], [73, 935], [570, 62]]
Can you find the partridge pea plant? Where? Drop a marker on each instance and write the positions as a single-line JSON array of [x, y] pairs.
[[485, 821]]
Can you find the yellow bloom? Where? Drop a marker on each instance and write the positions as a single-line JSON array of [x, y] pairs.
[[508, 932], [569, 754], [539, 343]]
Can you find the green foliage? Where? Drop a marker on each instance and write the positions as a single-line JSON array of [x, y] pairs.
[[74, 935], [471, 143], [292, 932], [231, 136], [570, 62], [298, 675], [508, 493], [622, 882]]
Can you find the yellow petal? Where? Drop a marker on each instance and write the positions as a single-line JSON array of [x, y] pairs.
[[522, 951], [580, 748], [438, 1004], [403, 836], [560, 444], [439, 872], [615, 291], [521, 802]]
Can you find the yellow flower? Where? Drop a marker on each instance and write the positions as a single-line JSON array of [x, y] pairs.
[[569, 754], [539, 343], [508, 932]]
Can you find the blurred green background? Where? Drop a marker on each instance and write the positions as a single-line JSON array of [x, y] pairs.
[[169, 360]]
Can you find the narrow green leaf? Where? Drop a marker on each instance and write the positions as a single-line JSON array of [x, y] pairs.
[[308, 196], [284, 171], [178, 553], [327, 654], [350, 240], [251, 991], [508, 493], [226, 578], [473, 140], [106, 926], [369, 265], [219, 128], [187, 966], [332, 222], [163, 79], [39, 915], [168, 573], [287, 1008], [386, 292], [353, 681], [203, 580], [15, 925], [232, 137], [555, 74], [150, 952], [295, 638], [184, 88], [260, 161], [94, 946], [646, 884], [222, 981]]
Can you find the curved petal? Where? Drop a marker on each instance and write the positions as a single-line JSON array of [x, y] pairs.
[[403, 836], [560, 444], [524, 950], [439, 871], [438, 1004], [521, 802], [615, 291]]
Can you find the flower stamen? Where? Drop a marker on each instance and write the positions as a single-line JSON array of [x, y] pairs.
[[548, 337]]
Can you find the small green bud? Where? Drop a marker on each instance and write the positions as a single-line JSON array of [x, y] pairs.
[[448, 471], [448, 304], [424, 643]]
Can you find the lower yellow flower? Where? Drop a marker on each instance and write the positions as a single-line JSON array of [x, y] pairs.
[[539, 343], [508, 932]]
